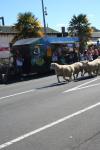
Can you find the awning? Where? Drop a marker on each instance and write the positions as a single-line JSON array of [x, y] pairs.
[[25, 41], [62, 40], [52, 40]]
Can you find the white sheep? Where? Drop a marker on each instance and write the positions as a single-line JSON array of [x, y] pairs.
[[77, 67], [91, 67], [68, 71], [62, 70], [58, 69], [98, 63]]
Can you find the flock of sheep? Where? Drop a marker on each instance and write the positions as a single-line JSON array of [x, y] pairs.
[[72, 71]]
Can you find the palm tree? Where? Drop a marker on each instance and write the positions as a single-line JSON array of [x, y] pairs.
[[27, 26], [80, 26]]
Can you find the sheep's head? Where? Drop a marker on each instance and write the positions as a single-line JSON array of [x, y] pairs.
[[52, 66]]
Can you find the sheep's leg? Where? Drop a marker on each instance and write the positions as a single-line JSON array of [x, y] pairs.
[[70, 78], [98, 70], [65, 78], [95, 72], [90, 73], [58, 79], [74, 76], [82, 74]]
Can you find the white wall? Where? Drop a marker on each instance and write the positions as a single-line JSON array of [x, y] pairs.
[[6, 39], [4, 42]]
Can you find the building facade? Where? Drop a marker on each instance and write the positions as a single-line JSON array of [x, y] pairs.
[[7, 33]]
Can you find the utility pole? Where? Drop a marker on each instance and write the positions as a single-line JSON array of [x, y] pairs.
[[2, 18], [44, 13]]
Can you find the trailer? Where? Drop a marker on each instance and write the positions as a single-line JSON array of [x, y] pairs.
[[37, 52], [34, 55]]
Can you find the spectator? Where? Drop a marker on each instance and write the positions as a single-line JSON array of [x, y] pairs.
[[81, 57], [19, 64], [55, 57], [75, 56], [95, 54], [89, 55]]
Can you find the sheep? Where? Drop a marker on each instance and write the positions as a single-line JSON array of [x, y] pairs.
[[98, 63], [91, 67], [62, 70], [85, 66], [68, 71], [58, 69], [77, 67]]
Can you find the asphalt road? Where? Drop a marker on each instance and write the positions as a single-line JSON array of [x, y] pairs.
[[41, 114]]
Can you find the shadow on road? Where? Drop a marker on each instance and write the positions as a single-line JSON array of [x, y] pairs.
[[53, 85], [85, 78], [16, 79], [64, 82]]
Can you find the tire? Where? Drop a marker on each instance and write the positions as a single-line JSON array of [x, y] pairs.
[[4, 78]]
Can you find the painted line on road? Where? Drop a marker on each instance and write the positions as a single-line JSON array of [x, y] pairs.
[[20, 138], [80, 86], [16, 94], [84, 87], [32, 90]]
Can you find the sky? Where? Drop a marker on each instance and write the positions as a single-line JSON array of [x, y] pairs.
[[60, 12]]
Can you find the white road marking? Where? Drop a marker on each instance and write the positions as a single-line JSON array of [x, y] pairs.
[[16, 94], [84, 87], [80, 86], [47, 126]]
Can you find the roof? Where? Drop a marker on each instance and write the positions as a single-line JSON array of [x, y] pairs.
[[49, 30], [25, 41], [11, 29], [96, 34], [7, 29]]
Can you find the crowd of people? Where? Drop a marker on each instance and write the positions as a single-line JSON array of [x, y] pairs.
[[90, 54], [62, 57]]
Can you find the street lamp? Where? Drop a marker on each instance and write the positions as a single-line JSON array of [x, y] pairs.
[[44, 13]]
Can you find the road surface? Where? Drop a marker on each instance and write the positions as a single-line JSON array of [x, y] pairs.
[[41, 114]]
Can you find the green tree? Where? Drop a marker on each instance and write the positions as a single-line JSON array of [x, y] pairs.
[[80, 26], [27, 26]]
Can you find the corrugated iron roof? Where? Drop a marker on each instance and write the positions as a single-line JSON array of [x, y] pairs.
[[11, 29], [7, 29], [96, 34]]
